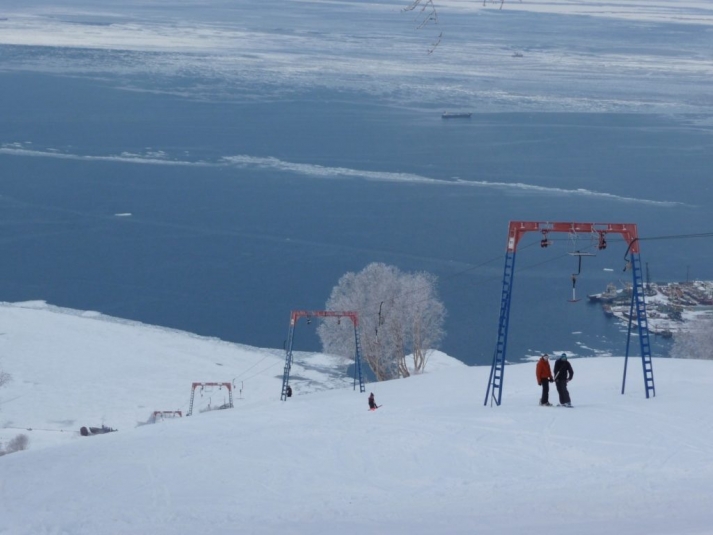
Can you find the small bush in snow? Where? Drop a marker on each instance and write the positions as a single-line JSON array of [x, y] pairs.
[[19, 443], [4, 377]]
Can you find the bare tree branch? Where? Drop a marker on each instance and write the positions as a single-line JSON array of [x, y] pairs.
[[426, 14]]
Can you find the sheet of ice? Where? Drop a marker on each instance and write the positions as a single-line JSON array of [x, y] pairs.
[[319, 171], [549, 55]]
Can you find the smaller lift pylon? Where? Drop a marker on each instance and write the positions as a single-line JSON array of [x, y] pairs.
[[296, 315]]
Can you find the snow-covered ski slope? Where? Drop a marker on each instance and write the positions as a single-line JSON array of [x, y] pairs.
[[432, 460]]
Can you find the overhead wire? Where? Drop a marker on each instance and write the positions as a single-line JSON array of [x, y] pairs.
[[537, 264], [251, 367], [263, 370], [553, 259], [489, 279], [679, 236]]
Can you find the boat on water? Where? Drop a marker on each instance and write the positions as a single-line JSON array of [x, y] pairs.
[[456, 115], [611, 294]]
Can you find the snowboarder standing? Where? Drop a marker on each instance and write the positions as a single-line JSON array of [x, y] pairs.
[[563, 375], [372, 403], [544, 378]]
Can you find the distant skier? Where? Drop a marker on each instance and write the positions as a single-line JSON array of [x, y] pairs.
[[563, 375], [372, 403], [288, 391], [544, 378]]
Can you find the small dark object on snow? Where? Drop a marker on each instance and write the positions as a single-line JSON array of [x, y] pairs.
[[289, 391], [90, 431], [372, 404]]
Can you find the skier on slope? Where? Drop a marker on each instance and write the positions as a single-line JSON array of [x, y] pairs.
[[544, 378], [563, 375], [372, 404]]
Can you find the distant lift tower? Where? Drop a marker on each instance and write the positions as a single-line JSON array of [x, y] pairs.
[[297, 314], [638, 305]]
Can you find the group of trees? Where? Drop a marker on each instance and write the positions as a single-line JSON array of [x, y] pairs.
[[696, 343], [400, 317]]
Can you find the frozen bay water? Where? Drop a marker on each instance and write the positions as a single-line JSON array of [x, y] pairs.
[[263, 151]]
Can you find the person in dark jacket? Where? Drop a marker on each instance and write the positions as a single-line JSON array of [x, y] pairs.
[[563, 375], [544, 378], [372, 403]]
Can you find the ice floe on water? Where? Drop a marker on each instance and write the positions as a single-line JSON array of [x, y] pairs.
[[320, 171]]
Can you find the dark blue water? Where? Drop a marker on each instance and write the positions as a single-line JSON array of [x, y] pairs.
[[229, 251]]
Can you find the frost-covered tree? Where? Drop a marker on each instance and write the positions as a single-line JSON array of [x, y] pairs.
[[695, 344], [400, 314]]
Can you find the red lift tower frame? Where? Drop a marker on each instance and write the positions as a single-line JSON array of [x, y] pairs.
[[629, 232], [229, 386], [296, 315]]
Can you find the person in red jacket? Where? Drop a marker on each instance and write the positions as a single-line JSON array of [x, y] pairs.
[[544, 378]]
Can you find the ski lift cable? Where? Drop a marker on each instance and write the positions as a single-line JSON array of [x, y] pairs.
[[490, 279], [498, 258], [669, 237], [531, 266], [251, 367], [553, 259], [263, 370], [443, 279], [40, 429], [679, 236]]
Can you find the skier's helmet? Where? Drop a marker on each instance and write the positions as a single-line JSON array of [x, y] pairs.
[[564, 356]]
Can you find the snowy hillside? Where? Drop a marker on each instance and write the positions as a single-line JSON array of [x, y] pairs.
[[433, 459], [72, 369]]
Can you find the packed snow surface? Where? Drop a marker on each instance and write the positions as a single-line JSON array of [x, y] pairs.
[[432, 459]]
